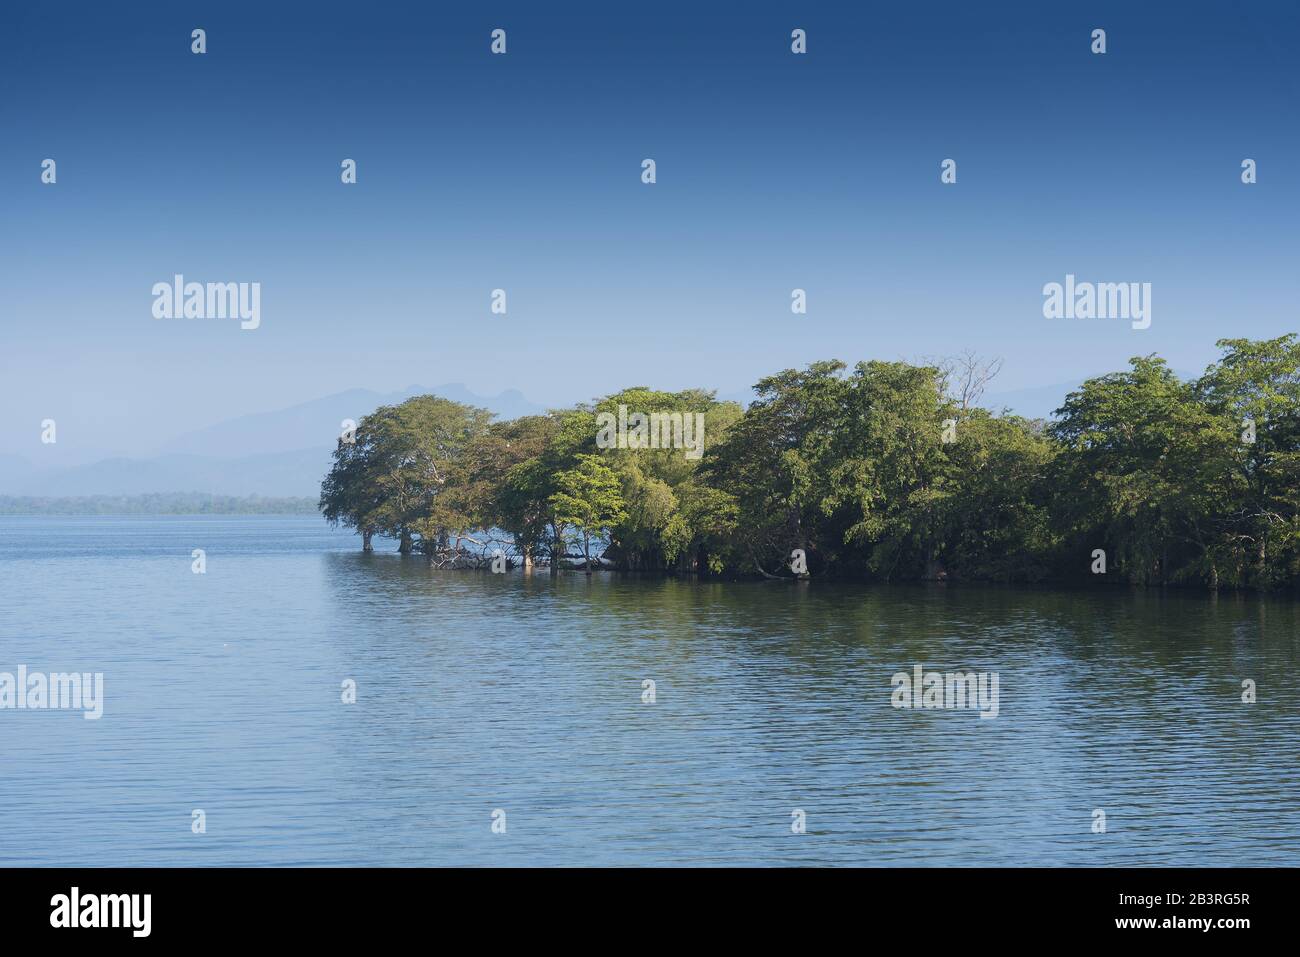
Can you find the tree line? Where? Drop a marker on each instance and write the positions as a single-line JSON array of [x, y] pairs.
[[885, 471]]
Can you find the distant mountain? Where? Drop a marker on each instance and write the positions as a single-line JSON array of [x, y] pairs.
[[14, 471], [316, 424], [284, 453], [283, 474]]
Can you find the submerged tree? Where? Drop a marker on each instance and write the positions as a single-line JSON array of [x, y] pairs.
[[886, 470], [351, 493], [391, 478], [590, 499], [662, 484], [481, 493]]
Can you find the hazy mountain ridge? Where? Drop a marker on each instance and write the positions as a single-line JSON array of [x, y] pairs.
[[172, 503], [286, 453], [282, 454], [317, 424]]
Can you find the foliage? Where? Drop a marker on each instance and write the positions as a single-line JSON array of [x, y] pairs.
[[588, 498], [390, 478], [887, 470]]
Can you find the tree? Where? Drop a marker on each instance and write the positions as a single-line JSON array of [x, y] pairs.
[[350, 494], [995, 524], [659, 484], [590, 499], [848, 468], [390, 479], [1255, 387], [1140, 473], [766, 466], [480, 491], [965, 376], [527, 490], [886, 470]]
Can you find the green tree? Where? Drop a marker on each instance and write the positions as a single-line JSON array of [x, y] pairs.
[[479, 492], [848, 468], [767, 466], [527, 491], [1140, 473], [1255, 388], [391, 478], [660, 485], [885, 468], [590, 499], [351, 494], [995, 523]]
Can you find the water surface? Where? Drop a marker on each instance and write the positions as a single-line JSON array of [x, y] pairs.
[[479, 692]]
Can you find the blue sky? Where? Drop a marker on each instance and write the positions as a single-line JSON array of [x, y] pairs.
[[522, 172]]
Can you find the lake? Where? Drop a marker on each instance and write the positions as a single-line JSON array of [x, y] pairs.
[[478, 693]]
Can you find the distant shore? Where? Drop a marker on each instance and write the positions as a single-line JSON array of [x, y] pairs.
[[185, 503]]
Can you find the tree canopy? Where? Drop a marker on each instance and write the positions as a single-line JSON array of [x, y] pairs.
[[882, 471]]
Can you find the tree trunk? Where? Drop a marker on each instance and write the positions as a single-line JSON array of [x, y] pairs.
[[528, 561], [405, 543], [365, 540], [586, 553]]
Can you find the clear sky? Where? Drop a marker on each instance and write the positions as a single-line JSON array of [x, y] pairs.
[[523, 172]]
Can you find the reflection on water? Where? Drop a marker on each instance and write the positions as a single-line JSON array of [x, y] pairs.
[[478, 692]]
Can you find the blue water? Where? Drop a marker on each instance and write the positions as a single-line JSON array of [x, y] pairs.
[[478, 692]]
